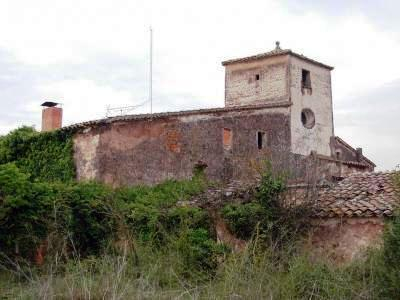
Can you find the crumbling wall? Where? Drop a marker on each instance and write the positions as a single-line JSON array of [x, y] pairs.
[[148, 151], [343, 239]]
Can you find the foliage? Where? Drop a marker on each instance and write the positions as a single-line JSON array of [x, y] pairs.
[[44, 156], [88, 216], [268, 214], [390, 273], [242, 219], [25, 210], [248, 275], [169, 249], [270, 189]]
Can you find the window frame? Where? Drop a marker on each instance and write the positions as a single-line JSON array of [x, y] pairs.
[[261, 138], [306, 82], [227, 138]]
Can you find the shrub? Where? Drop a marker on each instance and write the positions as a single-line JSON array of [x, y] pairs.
[[87, 216], [389, 271], [270, 189], [277, 222], [242, 219], [199, 253], [44, 156], [25, 210]]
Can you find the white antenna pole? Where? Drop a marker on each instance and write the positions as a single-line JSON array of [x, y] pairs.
[[151, 71]]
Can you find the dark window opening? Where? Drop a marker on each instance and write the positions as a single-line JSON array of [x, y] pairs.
[[260, 139], [307, 118], [338, 154], [337, 178], [257, 76], [305, 79]]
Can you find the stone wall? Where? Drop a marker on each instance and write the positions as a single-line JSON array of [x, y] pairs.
[[150, 150], [256, 82], [319, 100], [345, 239]]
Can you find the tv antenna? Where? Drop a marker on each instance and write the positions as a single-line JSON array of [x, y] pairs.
[[123, 110]]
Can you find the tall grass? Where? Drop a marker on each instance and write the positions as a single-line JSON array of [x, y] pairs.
[[158, 274]]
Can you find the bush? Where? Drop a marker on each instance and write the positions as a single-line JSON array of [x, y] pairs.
[[390, 273], [199, 253], [44, 156], [389, 268], [276, 222], [25, 211], [88, 216], [242, 219]]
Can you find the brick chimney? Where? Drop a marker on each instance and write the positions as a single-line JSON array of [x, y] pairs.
[[51, 116]]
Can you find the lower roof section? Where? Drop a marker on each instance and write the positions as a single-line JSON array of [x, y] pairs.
[[153, 116]]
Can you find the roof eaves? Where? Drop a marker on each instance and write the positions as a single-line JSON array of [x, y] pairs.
[[175, 114], [272, 54]]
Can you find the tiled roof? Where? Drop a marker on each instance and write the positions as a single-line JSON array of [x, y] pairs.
[[371, 194], [174, 114], [275, 52]]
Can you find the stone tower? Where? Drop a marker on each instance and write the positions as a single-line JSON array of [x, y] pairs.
[[285, 76]]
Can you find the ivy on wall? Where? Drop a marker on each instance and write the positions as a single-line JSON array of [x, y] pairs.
[[44, 156]]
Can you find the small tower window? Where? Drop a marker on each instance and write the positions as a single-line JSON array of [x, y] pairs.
[[260, 139], [305, 79], [307, 118], [257, 76], [338, 154]]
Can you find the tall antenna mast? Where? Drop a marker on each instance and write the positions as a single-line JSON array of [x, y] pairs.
[[151, 71]]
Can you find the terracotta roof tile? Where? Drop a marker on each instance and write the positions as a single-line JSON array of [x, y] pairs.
[[216, 110], [359, 195]]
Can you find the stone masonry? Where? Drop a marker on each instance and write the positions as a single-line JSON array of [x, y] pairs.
[[278, 107]]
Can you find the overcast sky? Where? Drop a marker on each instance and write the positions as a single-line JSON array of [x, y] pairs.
[[91, 54]]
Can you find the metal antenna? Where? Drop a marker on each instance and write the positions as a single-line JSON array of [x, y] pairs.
[[151, 71], [112, 111]]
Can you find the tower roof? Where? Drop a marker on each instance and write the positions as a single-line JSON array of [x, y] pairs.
[[276, 52]]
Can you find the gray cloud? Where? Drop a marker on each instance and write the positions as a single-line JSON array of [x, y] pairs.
[[371, 120], [87, 63], [382, 13], [17, 83]]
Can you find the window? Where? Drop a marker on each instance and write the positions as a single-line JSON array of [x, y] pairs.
[[260, 139], [257, 76], [307, 118], [227, 139], [305, 79], [338, 154]]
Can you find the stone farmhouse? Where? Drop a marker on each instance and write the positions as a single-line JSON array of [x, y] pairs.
[[278, 106]]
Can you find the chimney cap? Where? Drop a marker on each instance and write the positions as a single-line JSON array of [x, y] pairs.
[[49, 104]]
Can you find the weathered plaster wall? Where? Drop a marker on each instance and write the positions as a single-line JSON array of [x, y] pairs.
[[86, 147], [345, 239], [152, 150], [328, 167], [305, 140], [242, 88]]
